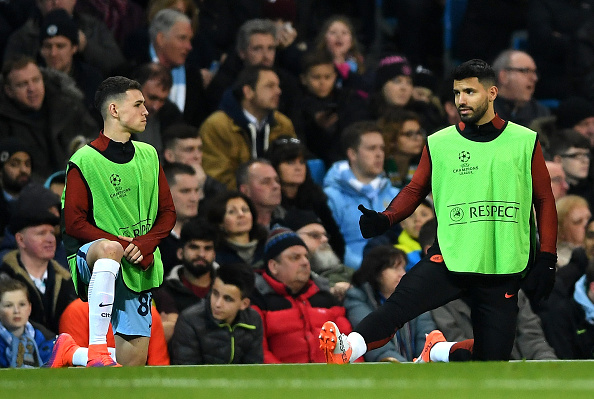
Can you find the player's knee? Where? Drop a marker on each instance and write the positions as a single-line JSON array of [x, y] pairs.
[[107, 249]]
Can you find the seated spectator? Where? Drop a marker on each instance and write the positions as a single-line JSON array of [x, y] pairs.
[[242, 239], [15, 174], [573, 213], [324, 110], [155, 84], [293, 304], [322, 258], [44, 111], [425, 101], [298, 190], [373, 283], [577, 113], [49, 284], [75, 322], [408, 240], [568, 323], [358, 180], [59, 47], [96, 43], [188, 282], [245, 125], [23, 344], [559, 183], [224, 329], [258, 180], [516, 80]]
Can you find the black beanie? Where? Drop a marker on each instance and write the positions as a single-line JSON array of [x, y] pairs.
[[279, 239], [58, 23], [297, 218], [390, 67]]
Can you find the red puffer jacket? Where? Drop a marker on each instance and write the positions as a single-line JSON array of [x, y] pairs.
[[292, 322]]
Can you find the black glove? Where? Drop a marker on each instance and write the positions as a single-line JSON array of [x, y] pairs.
[[539, 281], [372, 223]]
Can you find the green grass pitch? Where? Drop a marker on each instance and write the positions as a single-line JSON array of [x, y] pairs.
[[515, 380]]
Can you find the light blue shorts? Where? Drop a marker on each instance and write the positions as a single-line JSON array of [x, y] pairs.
[[131, 314]]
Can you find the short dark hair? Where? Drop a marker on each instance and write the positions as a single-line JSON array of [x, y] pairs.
[[564, 139], [427, 233], [153, 71], [198, 229], [240, 275], [374, 263], [172, 169], [248, 76], [8, 284], [242, 173], [113, 87], [475, 68], [14, 64], [351, 136], [178, 131], [314, 58]]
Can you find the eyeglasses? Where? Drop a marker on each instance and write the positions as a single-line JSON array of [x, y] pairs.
[[525, 71], [557, 179], [288, 140], [412, 133], [582, 156], [316, 235]]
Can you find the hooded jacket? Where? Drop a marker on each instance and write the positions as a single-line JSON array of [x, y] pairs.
[[228, 139], [345, 193]]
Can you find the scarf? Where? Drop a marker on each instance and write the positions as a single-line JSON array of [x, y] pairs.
[[21, 352]]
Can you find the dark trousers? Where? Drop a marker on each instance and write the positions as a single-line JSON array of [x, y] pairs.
[[429, 284]]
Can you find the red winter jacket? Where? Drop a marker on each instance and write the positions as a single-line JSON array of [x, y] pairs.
[[292, 322]]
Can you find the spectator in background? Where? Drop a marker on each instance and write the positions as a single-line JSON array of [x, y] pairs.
[[183, 144], [15, 174], [95, 42], [242, 238], [322, 258], [186, 190], [258, 180], [223, 329], [577, 113], [245, 125], [358, 180], [171, 35], [559, 183], [298, 190], [255, 45], [49, 284], [59, 47], [516, 80], [408, 240], [573, 213], [373, 283], [44, 111], [189, 281], [155, 84], [23, 344], [293, 304]]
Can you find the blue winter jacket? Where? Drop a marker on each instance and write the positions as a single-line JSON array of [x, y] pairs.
[[345, 193]]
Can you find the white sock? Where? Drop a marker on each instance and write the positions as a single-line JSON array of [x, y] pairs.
[[81, 356], [101, 295], [440, 352], [358, 345]]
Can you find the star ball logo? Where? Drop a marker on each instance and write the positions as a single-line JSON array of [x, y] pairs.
[[115, 180], [464, 156], [465, 168]]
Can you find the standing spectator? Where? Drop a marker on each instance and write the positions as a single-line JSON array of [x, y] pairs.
[[189, 281], [359, 179], [242, 238], [516, 80], [186, 190], [23, 344], [15, 174], [467, 167], [49, 284], [112, 246], [373, 283], [155, 83], [258, 180], [298, 190], [95, 41], [44, 111], [256, 45], [224, 329], [245, 125], [573, 212], [292, 303], [59, 47]]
